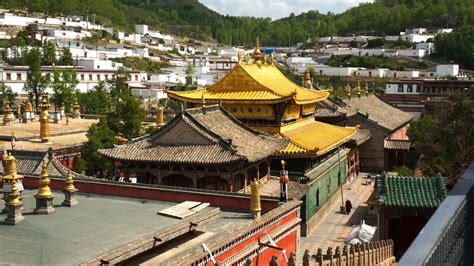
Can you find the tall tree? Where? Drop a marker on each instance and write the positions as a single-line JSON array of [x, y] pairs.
[[6, 93], [49, 54], [66, 58], [64, 84], [95, 101], [36, 82]]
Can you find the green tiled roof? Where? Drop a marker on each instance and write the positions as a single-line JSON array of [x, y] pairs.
[[415, 192]]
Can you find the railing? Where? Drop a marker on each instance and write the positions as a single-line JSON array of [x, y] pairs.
[[448, 237], [373, 253]]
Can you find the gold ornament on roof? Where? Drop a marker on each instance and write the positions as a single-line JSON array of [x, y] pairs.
[[349, 90], [44, 119], [10, 165], [256, 51], [76, 108], [14, 195], [247, 58], [255, 206], [264, 58], [28, 106], [44, 190], [239, 56], [69, 181], [366, 88], [307, 76], [358, 88], [7, 110], [272, 58]]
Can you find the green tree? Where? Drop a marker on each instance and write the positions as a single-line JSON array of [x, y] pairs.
[[66, 58], [403, 171], [8, 93], [100, 136], [36, 82], [189, 74], [95, 101], [64, 84], [49, 54]]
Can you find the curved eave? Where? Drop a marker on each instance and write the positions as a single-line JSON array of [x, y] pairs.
[[181, 96], [104, 153]]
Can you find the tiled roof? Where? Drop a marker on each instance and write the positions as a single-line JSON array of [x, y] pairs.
[[313, 137], [262, 83], [30, 162], [396, 144], [414, 192], [217, 138], [378, 111]]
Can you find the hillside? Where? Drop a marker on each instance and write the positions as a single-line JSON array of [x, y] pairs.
[[193, 19]]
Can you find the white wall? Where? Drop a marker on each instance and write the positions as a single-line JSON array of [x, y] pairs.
[[447, 70]]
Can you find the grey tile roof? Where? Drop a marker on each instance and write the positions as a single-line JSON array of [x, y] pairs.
[[229, 141], [378, 111]]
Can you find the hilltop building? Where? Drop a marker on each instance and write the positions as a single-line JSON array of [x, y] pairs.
[[260, 96]]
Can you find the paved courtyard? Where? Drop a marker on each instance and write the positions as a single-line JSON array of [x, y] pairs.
[[335, 227]]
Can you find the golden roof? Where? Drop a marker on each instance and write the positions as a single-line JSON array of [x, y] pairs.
[[262, 83], [310, 137]]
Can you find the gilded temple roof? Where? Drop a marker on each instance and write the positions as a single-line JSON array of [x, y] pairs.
[[310, 137], [252, 83], [208, 135]]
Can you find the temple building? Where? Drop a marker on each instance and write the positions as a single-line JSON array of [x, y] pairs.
[[203, 147], [260, 96], [403, 201]]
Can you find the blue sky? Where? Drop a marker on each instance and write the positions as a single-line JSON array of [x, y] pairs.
[[278, 8]]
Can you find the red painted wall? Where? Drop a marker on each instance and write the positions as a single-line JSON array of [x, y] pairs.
[[156, 193]]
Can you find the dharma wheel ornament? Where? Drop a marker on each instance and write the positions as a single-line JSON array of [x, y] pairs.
[[44, 196]]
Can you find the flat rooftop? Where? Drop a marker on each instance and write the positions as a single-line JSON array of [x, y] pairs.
[[35, 144], [98, 225]]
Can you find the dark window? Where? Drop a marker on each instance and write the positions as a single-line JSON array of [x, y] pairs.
[[400, 88], [317, 197], [409, 88]]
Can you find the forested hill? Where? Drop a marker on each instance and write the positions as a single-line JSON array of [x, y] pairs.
[[193, 19]]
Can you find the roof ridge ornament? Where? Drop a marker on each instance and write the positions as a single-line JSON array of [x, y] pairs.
[[256, 52]]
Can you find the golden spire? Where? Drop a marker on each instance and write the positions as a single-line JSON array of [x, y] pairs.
[[76, 108], [256, 51], [358, 88], [272, 58], [44, 190], [18, 110], [44, 119], [307, 76], [10, 165], [7, 110], [366, 88], [28, 106], [69, 181], [14, 195], [264, 58], [160, 116], [255, 207], [349, 91], [239, 56]]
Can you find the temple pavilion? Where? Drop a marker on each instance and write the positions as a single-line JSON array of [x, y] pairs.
[[259, 95], [203, 147]]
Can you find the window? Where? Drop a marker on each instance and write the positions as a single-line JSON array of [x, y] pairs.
[[417, 88], [82, 76], [90, 76], [409, 88], [400, 89], [106, 76], [136, 77], [18, 76], [9, 76]]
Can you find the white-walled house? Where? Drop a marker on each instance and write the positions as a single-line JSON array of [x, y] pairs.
[[451, 70], [403, 88], [14, 20], [15, 77]]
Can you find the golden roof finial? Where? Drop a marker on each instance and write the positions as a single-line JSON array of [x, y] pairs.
[[247, 58], [28, 106], [264, 59], [307, 76], [256, 51], [7, 110], [349, 91], [44, 119], [44, 190], [272, 58], [76, 108], [255, 206], [69, 181], [366, 88], [239, 56]]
